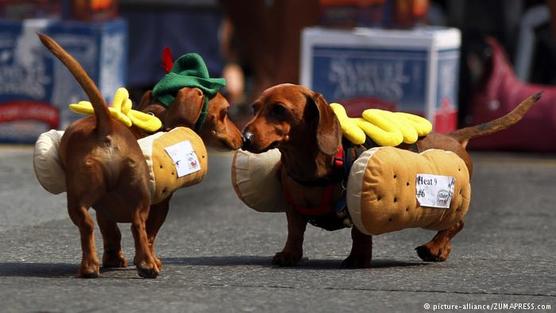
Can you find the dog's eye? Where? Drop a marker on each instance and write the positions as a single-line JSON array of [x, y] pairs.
[[223, 114], [278, 111]]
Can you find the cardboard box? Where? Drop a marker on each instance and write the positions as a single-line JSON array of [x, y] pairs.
[[402, 70], [36, 88]]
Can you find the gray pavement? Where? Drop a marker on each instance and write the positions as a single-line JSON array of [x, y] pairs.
[[217, 252]]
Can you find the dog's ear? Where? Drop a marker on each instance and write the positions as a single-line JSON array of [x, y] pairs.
[[146, 105], [146, 99], [186, 108], [328, 130]]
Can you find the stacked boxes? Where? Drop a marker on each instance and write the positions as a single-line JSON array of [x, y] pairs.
[[36, 88], [402, 70]]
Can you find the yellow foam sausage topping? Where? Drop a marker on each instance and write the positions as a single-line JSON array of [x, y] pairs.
[[421, 124], [383, 134], [349, 127], [121, 110], [384, 127]]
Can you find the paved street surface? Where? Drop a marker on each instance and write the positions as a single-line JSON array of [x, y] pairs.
[[217, 252]]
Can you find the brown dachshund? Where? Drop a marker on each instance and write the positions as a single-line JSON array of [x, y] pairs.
[[300, 123], [105, 169]]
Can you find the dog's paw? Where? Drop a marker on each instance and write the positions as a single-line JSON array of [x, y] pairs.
[[432, 253], [88, 274], [147, 271], [356, 262], [286, 258], [113, 260], [158, 262], [89, 269]]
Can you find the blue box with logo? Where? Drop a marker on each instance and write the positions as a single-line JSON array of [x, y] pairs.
[[36, 88], [401, 70]]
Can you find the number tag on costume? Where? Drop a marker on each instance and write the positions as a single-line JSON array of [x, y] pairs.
[[184, 158], [434, 190]]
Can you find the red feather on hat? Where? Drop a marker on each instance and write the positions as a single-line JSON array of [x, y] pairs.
[[167, 59]]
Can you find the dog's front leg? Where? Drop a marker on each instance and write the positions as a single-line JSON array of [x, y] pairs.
[[293, 250], [361, 250]]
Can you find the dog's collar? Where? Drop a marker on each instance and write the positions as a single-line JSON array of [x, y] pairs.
[[336, 176]]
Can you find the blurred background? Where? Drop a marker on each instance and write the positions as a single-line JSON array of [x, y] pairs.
[[455, 62]]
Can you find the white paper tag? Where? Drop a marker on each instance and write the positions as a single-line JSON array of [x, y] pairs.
[[184, 157], [434, 190]]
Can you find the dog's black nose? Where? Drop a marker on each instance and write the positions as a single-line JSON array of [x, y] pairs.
[[247, 137]]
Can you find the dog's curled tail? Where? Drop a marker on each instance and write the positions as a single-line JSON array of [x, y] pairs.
[[103, 124], [465, 134]]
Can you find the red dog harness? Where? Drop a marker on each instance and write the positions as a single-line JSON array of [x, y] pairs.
[[326, 202], [330, 214]]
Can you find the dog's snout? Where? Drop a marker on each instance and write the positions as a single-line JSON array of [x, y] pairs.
[[247, 135], [247, 140]]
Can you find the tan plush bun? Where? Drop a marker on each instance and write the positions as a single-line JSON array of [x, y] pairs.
[[381, 191], [163, 174], [47, 164], [255, 180], [162, 171]]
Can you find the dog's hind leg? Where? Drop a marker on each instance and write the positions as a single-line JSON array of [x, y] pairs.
[[361, 250], [144, 260], [438, 249], [157, 216], [84, 187], [79, 215], [111, 237]]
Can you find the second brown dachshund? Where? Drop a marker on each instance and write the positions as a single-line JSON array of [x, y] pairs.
[[301, 124]]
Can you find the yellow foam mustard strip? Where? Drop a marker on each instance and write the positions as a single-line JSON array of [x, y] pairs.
[[82, 107], [421, 124], [388, 120], [409, 132], [383, 134], [121, 110], [384, 127], [351, 131], [144, 121]]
